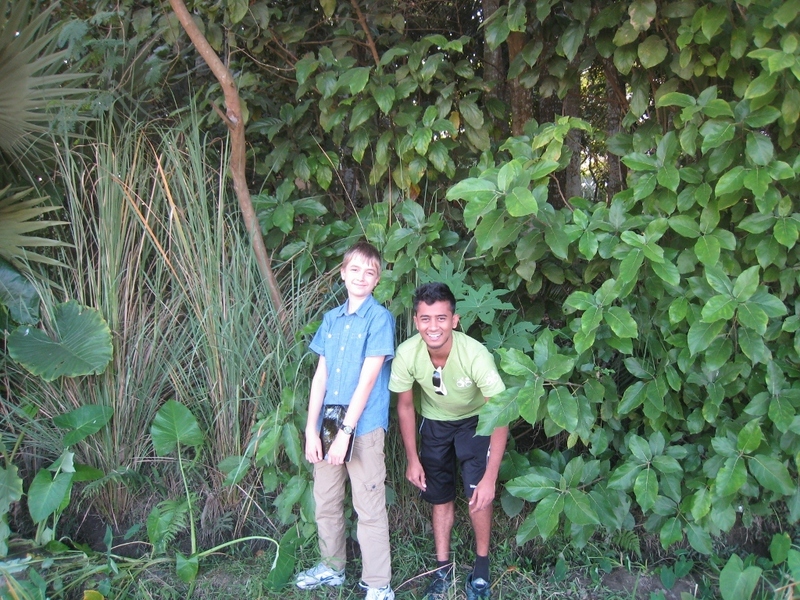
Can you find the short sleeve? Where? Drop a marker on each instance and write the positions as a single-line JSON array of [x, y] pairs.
[[318, 341], [380, 338], [401, 379], [486, 376]]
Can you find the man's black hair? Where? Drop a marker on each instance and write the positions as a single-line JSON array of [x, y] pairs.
[[430, 293]]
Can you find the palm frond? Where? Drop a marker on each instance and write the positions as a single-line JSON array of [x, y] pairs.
[[20, 215], [30, 84]]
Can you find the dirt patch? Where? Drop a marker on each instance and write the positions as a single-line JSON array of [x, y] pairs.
[[641, 585]]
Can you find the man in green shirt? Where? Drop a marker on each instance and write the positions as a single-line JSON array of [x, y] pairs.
[[456, 375]]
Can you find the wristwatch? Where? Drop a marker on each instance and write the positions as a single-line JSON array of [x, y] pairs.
[[347, 429]]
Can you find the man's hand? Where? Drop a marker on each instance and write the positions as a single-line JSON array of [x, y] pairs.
[[482, 495], [416, 475], [313, 447], [338, 449]]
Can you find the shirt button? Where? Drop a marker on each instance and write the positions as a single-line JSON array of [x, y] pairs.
[[342, 348], [338, 370], [335, 393], [330, 335], [347, 326]]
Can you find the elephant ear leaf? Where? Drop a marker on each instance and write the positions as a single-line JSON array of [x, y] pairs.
[[18, 295], [80, 344]]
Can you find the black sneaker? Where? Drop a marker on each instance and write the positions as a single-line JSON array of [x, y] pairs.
[[478, 589], [441, 580]]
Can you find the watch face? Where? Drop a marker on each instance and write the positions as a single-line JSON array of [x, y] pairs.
[[347, 429]]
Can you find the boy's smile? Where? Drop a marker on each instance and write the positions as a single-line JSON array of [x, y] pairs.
[[360, 277], [435, 323]]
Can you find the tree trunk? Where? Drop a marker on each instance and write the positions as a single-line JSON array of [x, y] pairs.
[[494, 68], [616, 107], [572, 108], [549, 107], [521, 97]]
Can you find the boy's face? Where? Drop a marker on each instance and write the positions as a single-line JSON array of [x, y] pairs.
[[435, 323], [360, 277]]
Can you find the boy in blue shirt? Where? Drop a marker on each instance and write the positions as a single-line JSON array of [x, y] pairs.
[[355, 344]]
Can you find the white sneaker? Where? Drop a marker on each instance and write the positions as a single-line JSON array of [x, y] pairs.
[[320, 575], [383, 593]]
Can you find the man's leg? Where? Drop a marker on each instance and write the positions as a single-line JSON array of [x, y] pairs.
[[443, 517], [482, 525]]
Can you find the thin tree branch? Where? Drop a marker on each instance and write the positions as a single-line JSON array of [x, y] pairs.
[[233, 119], [370, 42]]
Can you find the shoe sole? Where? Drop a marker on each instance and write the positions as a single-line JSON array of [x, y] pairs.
[[313, 586]]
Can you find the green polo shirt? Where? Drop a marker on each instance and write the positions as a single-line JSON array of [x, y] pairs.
[[470, 376]]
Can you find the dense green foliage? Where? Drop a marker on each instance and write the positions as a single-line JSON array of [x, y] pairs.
[[646, 319]]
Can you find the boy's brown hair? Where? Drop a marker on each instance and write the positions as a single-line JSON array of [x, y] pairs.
[[366, 251]]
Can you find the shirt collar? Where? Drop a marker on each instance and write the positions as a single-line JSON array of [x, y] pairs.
[[341, 311]]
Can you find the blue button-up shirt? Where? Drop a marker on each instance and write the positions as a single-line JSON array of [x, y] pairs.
[[345, 341]]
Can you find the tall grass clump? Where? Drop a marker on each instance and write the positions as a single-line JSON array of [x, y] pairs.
[[159, 249]]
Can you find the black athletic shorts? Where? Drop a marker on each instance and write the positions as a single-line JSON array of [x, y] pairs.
[[443, 444]]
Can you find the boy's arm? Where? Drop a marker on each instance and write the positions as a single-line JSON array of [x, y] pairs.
[[366, 381], [315, 399], [483, 494], [407, 416]]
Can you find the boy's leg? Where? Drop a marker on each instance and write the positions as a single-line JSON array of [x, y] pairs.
[[367, 471], [329, 489]]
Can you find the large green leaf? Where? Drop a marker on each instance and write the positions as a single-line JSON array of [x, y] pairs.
[[772, 474], [578, 508], [174, 424], [186, 567], [563, 408], [731, 477], [499, 411], [533, 486], [83, 422], [10, 488], [737, 582], [80, 344], [671, 532], [547, 514], [621, 322], [645, 488], [46, 494], [18, 295], [702, 334], [652, 51], [284, 565]]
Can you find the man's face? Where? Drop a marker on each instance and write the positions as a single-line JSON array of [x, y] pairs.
[[435, 323], [360, 277]]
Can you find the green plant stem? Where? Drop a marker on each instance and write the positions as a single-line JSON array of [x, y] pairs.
[[219, 547], [189, 501]]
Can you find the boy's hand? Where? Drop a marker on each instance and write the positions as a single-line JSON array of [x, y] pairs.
[[338, 449], [482, 495], [416, 475], [313, 447]]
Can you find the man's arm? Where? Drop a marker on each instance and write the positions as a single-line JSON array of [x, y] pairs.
[[315, 399], [484, 492], [366, 381], [407, 416]]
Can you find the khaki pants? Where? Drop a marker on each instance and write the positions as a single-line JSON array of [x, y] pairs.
[[367, 472]]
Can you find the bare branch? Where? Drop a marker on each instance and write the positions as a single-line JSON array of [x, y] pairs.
[[233, 119]]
